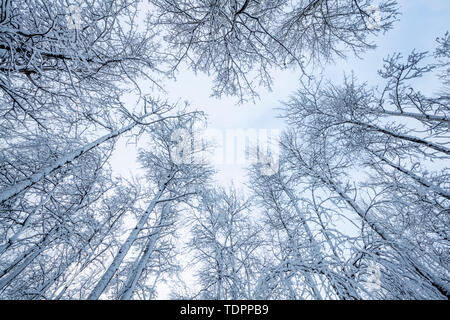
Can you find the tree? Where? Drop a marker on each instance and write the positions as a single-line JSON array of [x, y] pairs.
[[225, 245], [65, 62], [241, 41], [309, 260], [172, 182], [50, 220], [63, 73], [352, 128]]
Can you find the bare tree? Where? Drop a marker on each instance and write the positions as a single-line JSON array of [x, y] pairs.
[[353, 128], [225, 245], [309, 260], [241, 41], [172, 182]]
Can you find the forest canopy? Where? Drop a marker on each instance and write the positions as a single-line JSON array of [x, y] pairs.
[[357, 208]]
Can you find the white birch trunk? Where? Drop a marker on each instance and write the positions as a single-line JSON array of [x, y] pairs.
[[132, 280], [12, 191], [26, 259], [405, 137], [420, 180], [107, 276]]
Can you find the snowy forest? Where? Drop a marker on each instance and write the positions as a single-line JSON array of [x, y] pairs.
[[353, 202]]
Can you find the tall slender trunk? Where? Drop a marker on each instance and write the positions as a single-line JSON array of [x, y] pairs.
[[420, 180], [79, 266], [12, 191], [18, 265], [26, 258], [340, 283], [405, 137], [131, 282], [437, 283], [318, 251], [107, 276]]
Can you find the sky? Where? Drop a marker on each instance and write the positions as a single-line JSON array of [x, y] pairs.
[[420, 23]]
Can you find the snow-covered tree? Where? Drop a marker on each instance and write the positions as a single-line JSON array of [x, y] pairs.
[[170, 182], [225, 245], [240, 42], [391, 137]]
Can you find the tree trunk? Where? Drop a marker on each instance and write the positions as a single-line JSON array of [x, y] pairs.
[[130, 285], [107, 276], [418, 267]]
